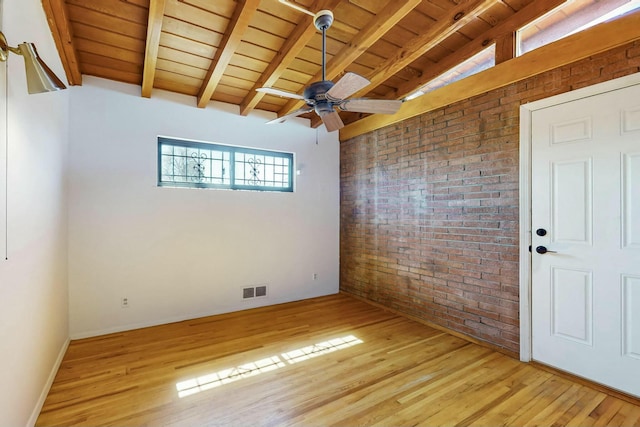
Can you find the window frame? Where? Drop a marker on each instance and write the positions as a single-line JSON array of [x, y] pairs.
[[232, 150]]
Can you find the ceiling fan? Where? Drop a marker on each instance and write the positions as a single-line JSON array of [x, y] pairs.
[[324, 96]]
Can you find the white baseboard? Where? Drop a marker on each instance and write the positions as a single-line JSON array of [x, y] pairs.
[[45, 391], [261, 302], [140, 325]]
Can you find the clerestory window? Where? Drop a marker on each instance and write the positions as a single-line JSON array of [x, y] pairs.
[[203, 165]]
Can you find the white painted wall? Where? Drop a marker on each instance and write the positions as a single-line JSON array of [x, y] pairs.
[[33, 280], [185, 253]]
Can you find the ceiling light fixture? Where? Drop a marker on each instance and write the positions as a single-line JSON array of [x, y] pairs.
[[40, 78]]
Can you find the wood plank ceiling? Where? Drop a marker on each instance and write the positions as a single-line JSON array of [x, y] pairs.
[[223, 50]]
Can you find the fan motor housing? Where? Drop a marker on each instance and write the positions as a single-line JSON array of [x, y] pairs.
[[317, 90], [317, 93], [323, 107]]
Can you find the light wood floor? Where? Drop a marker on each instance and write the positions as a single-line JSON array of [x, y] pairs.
[[328, 361]]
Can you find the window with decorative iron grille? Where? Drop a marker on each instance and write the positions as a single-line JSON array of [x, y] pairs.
[[202, 165]]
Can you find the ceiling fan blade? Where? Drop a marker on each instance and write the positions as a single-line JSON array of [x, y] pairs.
[[374, 106], [290, 115], [278, 92], [349, 84], [332, 121]]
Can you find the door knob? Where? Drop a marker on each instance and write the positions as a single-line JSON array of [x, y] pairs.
[[544, 250]]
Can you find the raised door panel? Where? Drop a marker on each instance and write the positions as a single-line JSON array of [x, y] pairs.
[[572, 305], [631, 201], [570, 131], [631, 315], [631, 120], [572, 204]]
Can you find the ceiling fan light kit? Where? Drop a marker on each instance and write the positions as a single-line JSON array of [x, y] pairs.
[[324, 96]]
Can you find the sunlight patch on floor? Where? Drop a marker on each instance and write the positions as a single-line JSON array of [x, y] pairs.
[[319, 349], [226, 376]]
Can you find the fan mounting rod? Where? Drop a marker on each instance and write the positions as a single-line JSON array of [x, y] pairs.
[[323, 20]]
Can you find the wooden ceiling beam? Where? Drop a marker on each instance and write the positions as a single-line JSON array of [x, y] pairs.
[[505, 48], [507, 28], [600, 38], [451, 22], [58, 19], [388, 17], [294, 44], [231, 40], [154, 30]]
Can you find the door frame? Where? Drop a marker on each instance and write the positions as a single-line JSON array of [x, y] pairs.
[[525, 226]]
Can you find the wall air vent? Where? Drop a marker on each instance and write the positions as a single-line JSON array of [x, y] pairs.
[[248, 293], [259, 291]]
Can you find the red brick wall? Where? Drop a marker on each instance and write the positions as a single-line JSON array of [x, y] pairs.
[[429, 207]]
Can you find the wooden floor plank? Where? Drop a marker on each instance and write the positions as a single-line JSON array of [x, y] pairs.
[[332, 360]]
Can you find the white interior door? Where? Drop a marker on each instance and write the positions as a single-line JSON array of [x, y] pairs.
[[586, 209]]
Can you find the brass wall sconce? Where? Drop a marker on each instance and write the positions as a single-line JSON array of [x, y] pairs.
[[40, 78]]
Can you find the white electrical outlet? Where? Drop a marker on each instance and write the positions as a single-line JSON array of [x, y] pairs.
[[315, 276], [124, 302]]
